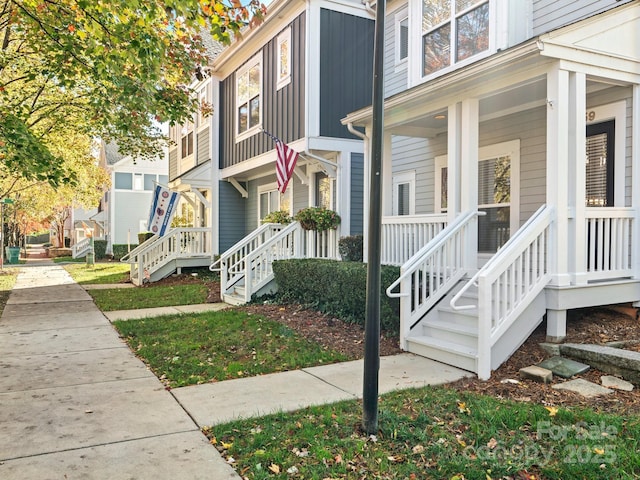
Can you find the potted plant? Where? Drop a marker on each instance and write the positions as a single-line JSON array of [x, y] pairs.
[[317, 218], [279, 216]]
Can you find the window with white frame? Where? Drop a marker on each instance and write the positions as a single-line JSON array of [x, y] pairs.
[[248, 98], [271, 200], [452, 31], [186, 139], [401, 37], [404, 185], [325, 191], [204, 109], [138, 181], [284, 58]]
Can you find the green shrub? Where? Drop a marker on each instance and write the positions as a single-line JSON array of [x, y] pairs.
[[99, 249], [121, 249], [144, 236], [351, 248], [336, 288]]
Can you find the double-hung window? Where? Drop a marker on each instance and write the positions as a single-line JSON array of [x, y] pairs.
[[401, 37], [248, 98], [452, 31], [284, 58], [186, 137], [204, 102]]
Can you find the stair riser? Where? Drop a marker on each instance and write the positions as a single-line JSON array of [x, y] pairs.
[[466, 363], [450, 336], [456, 318]]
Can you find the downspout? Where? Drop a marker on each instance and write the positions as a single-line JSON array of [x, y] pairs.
[[368, 7]]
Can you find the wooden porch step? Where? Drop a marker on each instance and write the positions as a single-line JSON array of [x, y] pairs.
[[457, 333], [460, 356]]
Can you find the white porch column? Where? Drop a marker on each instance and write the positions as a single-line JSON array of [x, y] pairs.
[[558, 172], [214, 145], [366, 192], [453, 160], [635, 183], [387, 175], [577, 178], [469, 139]]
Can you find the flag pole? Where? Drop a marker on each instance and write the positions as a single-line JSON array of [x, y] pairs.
[[372, 311]]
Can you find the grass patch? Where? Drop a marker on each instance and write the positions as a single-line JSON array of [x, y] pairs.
[[7, 281], [99, 273], [69, 260], [149, 296], [434, 433], [214, 346]]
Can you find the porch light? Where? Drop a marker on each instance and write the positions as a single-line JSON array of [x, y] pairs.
[[440, 117]]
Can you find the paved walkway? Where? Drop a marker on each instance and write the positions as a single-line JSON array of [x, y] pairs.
[[77, 404]]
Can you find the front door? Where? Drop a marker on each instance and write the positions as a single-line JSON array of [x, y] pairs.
[[600, 164]]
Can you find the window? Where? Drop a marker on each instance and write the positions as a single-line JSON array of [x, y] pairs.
[[138, 181], [284, 59], [599, 164], [402, 37], [186, 139], [271, 200], [403, 193], [324, 191], [149, 181], [452, 31], [123, 181], [248, 93]]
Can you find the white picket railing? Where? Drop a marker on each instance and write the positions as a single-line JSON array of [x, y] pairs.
[[176, 244], [509, 282], [609, 239], [321, 244], [429, 274], [404, 235], [80, 248]]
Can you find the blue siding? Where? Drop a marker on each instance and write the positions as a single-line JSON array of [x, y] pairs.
[[283, 111], [232, 212], [346, 69], [357, 193]]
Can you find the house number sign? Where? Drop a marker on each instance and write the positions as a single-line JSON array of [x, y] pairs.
[[591, 115]]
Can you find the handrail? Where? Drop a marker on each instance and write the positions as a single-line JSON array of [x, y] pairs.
[[497, 258], [245, 240], [81, 246], [139, 248], [437, 242]]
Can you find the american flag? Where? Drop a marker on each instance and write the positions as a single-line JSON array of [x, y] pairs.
[[285, 162]]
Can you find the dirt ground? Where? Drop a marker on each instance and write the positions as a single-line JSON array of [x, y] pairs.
[[592, 325]]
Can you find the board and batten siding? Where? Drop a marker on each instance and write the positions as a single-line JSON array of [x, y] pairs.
[[551, 14], [357, 194], [283, 110], [346, 69], [232, 212]]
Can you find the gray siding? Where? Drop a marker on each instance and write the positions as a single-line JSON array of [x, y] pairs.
[[232, 211], [283, 111], [357, 193], [173, 164], [129, 209], [551, 14], [395, 77], [203, 146], [300, 194], [346, 69]]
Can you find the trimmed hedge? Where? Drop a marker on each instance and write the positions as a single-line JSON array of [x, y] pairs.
[[336, 288], [119, 249], [99, 249]]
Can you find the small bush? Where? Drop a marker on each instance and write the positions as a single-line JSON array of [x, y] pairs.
[[99, 249], [336, 288], [351, 248], [121, 249], [144, 236]]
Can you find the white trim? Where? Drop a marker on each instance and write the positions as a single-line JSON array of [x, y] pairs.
[[283, 38], [312, 76], [618, 112], [511, 149], [404, 178], [400, 16], [270, 188], [204, 93], [252, 62]]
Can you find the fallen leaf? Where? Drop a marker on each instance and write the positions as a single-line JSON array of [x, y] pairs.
[[227, 446], [462, 407], [599, 451], [274, 468], [552, 411], [492, 443], [418, 449]]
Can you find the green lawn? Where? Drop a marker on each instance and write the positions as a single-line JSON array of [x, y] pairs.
[[434, 433], [149, 296], [214, 346], [99, 273]]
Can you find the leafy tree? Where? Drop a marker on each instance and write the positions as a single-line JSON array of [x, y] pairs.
[[106, 68]]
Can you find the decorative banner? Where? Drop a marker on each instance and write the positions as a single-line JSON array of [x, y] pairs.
[[162, 210]]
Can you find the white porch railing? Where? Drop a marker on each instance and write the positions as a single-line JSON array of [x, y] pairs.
[[178, 243], [404, 235], [508, 283], [609, 239], [431, 272], [250, 261], [80, 248]]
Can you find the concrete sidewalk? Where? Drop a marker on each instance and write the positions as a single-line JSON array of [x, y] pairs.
[[76, 403]]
